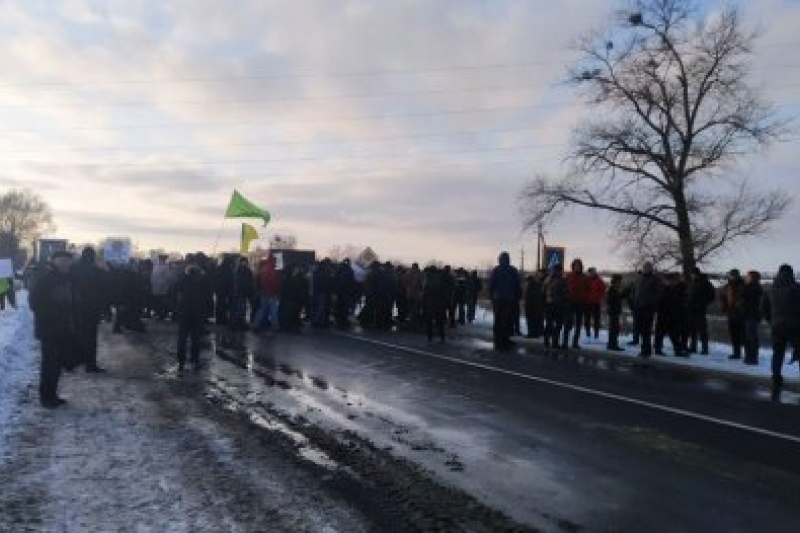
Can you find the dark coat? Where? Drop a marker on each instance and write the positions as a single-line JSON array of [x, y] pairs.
[[344, 281], [672, 306], [557, 294], [752, 294], [647, 293], [700, 293], [614, 299], [90, 290], [192, 293], [504, 283], [534, 296], [732, 300], [53, 305], [434, 290], [781, 305], [244, 284]]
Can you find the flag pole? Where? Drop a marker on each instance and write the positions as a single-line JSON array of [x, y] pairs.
[[219, 232]]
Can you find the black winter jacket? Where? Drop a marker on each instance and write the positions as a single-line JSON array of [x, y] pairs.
[[781, 305], [53, 305]]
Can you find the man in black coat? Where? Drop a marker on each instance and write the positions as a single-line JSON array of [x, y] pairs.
[[534, 305], [647, 296], [191, 293], [52, 302], [700, 293], [90, 302], [506, 292]]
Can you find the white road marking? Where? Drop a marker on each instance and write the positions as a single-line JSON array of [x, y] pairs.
[[586, 390]]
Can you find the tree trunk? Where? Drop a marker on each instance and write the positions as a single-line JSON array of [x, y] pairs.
[[688, 259]]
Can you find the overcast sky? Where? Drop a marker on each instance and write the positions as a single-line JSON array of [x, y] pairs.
[[409, 126]]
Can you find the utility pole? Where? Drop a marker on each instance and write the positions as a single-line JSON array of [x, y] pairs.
[[539, 246], [522, 260]]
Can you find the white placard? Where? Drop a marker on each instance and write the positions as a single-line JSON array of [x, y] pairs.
[[278, 260], [6, 268], [117, 251]]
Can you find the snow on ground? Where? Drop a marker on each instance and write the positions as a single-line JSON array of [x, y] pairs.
[[138, 450], [18, 359], [717, 359]]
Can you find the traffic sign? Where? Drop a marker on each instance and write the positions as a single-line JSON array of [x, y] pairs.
[[554, 255]]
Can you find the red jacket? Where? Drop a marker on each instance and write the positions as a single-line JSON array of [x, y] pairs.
[[268, 280], [597, 290], [578, 287]]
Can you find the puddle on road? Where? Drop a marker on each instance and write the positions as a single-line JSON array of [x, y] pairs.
[[337, 409], [225, 396]]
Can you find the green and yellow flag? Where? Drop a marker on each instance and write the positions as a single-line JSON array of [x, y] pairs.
[[249, 234], [240, 207]]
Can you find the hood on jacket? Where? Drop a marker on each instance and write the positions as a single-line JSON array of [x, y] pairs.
[[784, 277], [504, 259]]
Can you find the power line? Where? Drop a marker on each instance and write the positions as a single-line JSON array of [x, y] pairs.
[[262, 144], [343, 172], [338, 157], [272, 120], [329, 74]]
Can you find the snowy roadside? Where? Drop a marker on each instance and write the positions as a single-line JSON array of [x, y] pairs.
[[19, 360], [139, 449], [717, 359]]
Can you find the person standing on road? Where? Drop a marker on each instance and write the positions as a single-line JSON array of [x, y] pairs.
[[343, 287], [595, 292], [91, 300], [435, 302], [243, 293], [505, 292], [781, 308], [578, 284], [614, 299], [474, 288], [53, 305], [556, 306], [646, 298], [534, 305], [412, 284], [671, 315], [752, 293], [160, 285], [190, 293], [700, 293], [268, 288], [733, 305]]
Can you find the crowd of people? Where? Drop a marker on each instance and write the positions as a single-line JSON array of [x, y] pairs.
[[663, 306], [70, 299]]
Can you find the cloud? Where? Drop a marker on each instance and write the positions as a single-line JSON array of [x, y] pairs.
[[409, 126]]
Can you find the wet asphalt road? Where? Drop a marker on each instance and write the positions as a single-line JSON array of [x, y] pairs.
[[566, 443]]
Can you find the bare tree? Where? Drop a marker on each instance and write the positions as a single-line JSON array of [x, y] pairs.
[[341, 252], [24, 216], [672, 110]]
